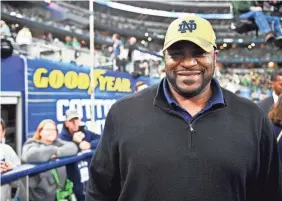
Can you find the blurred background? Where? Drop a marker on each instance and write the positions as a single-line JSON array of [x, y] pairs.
[[49, 48], [59, 30]]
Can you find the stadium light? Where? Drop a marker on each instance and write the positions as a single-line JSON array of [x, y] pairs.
[[146, 34], [253, 44], [149, 39], [271, 64], [48, 1]]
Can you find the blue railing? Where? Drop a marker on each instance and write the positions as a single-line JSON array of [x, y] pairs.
[[29, 169]]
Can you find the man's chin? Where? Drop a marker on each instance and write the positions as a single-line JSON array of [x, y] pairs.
[[185, 88], [189, 93]]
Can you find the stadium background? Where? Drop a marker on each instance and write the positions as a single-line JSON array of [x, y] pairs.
[[54, 25], [58, 33]]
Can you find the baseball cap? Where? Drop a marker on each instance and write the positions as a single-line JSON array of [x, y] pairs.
[[191, 28], [71, 114]]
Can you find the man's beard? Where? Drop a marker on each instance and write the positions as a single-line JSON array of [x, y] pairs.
[[189, 94]]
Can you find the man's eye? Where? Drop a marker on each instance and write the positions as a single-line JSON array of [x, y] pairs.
[[173, 54], [200, 54]]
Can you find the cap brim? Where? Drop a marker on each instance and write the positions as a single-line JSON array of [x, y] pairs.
[[208, 47], [73, 117]]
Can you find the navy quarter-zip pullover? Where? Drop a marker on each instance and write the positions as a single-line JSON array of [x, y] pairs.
[[149, 152]]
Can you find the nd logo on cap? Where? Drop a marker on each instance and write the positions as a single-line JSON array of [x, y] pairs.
[[191, 28]]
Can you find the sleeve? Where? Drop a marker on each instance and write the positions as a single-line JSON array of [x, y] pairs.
[[13, 157], [62, 137], [104, 174], [269, 179], [66, 148], [94, 139], [34, 153]]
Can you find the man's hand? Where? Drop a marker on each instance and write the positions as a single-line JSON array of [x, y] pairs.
[[5, 166], [84, 145], [256, 8], [78, 137]]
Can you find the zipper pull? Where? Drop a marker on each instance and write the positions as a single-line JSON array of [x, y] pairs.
[[191, 128]]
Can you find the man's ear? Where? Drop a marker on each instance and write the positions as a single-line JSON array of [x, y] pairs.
[[164, 53]]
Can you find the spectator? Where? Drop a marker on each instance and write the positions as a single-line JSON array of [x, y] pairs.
[[117, 49], [42, 147], [275, 115], [24, 37], [4, 29], [68, 41], [251, 10], [85, 140], [8, 161], [72, 131], [75, 43], [276, 84], [130, 56], [49, 37]]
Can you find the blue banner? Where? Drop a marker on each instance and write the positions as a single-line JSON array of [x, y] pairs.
[[55, 87], [12, 74]]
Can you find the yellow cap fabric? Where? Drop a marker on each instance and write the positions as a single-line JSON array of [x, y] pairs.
[[191, 28]]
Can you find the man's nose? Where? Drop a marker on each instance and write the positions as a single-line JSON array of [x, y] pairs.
[[188, 61]]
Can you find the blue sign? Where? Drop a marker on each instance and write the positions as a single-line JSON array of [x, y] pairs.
[[55, 87], [12, 74]]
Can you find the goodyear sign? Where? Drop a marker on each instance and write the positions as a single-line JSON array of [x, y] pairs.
[[55, 87]]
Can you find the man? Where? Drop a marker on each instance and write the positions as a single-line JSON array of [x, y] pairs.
[[72, 131], [253, 10], [276, 83], [8, 161], [85, 140], [130, 55], [117, 51], [187, 138]]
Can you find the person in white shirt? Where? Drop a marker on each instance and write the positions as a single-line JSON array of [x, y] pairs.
[[8, 161]]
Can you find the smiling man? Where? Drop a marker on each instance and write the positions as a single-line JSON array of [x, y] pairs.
[[186, 139]]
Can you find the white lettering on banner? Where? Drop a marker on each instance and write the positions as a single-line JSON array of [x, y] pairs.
[[83, 107], [60, 113]]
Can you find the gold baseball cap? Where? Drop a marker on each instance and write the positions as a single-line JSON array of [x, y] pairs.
[[191, 28]]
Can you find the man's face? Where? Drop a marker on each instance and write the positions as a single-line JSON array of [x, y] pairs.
[[73, 125], [277, 85], [189, 69]]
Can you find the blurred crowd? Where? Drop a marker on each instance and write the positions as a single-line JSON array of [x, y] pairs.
[[122, 53], [45, 145], [237, 80]]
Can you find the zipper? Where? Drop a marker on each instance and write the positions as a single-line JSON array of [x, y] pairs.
[[191, 127], [191, 143]]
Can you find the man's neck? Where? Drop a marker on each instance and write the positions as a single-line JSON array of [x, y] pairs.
[[195, 104]]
